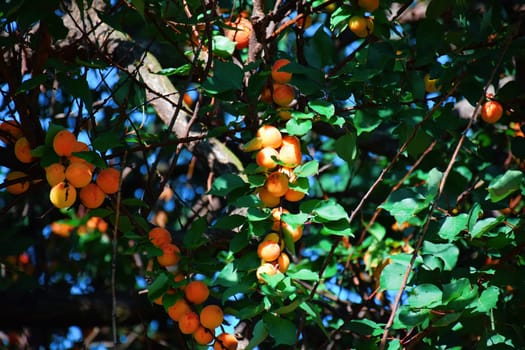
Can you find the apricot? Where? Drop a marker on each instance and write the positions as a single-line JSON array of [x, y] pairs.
[[265, 157], [361, 26], [283, 262], [179, 308], [225, 341], [80, 146], [196, 292], [430, 84], [294, 232], [266, 95], [55, 173], [78, 174], [283, 94], [23, 150], [91, 196], [64, 142], [491, 112], [272, 237], [268, 250], [203, 335], [268, 199], [293, 195], [170, 255], [10, 131], [266, 268], [159, 236], [211, 316], [63, 195], [290, 152], [241, 34], [368, 5], [284, 113], [19, 187], [189, 322], [270, 136], [278, 76], [276, 184], [108, 180], [276, 215]]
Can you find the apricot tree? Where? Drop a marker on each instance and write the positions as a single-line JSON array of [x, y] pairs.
[[262, 174]]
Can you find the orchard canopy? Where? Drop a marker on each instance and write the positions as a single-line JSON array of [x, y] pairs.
[[262, 174]]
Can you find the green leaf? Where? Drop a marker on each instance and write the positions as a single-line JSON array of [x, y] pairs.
[[322, 107], [425, 295], [194, 237], [346, 147], [452, 226], [409, 317], [474, 214], [365, 327], [483, 226], [227, 76], [92, 157], [392, 276], [106, 140], [228, 276], [404, 204], [257, 214], [365, 122], [259, 334], [79, 88], [329, 210], [505, 185], [309, 168], [229, 222], [337, 228], [298, 127], [447, 252], [183, 70], [304, 274], [222, 46], [159, 286], [488, 299], [282, 330], [224, 184]]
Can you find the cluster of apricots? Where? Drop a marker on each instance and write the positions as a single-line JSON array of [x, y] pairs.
[[192, 316], [64, 229], [278, 90], [69, 178], [363, 26]]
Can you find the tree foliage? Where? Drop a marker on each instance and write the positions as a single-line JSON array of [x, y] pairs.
[[410, 232]]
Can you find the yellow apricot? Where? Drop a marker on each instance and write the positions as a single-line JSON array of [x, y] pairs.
[[62, 195], [283, 262], [270, 136], [266, 268]]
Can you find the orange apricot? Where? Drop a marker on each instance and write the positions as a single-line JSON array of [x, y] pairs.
[[265, 157], [211, 316], [268, 199], [80, 146], [290, 152], [23, 150], [284, 113], [241, 34], [283, 94], [196, 292], [64, 142], [203, 335], [225, 341], [62, 195], [276, 184], [266, 268], [266, 95], [108, 180], [179, 308], [368, 5], [491, 112], [78, 174], [18, 187], [270, 136], [189, 322], [279, 76], [276, 215], [293, 195], [170, 255], [10, 131], [55, 173], [159, 236], [268, 250], [91, 196], [361, 26], [294, 232], [283, 262], [61, 228]]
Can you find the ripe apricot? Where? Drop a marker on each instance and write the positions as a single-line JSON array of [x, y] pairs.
[[19, 187], [225, 341], [170, 255], [64, 142], [276, 184], [283, 94], [179, 308], [78, 174], [10, 131], [23, 150], [491, 112], [266, 268], [211, 316], [293, 195], [264, 157], [80, 146], [272, 237], [290, 152], [241, 34], [361, 26], [268, 199], [196, 292], [294, 232], [284, 113], [159, 236], [276, 215], [278, 76], [430, 84], [55, 173], [108, 180], [268, 250], [63, 195], [266, 95], [283, 262], [368, 5], [158, 301], [203, 335], [270, 136], [189, 322], [91, 196]]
